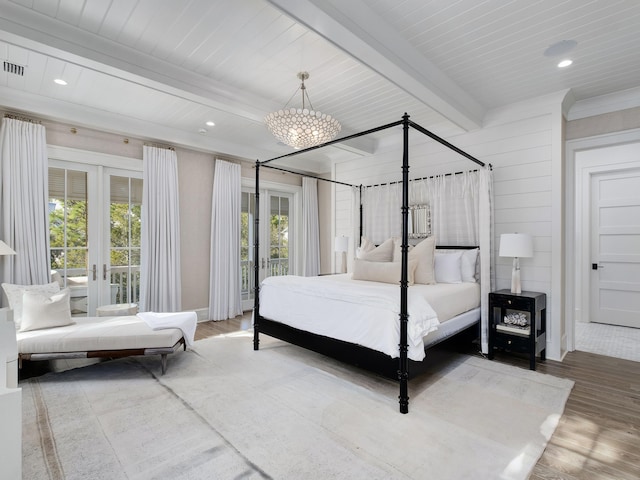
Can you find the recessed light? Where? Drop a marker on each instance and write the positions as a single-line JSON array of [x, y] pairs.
[[210, 123], [565, 63], [60, 81]]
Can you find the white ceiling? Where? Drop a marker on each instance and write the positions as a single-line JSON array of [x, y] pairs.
[[158, 69]]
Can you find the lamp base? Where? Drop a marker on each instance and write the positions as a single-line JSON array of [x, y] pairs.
[[343, 268], [515, 276]]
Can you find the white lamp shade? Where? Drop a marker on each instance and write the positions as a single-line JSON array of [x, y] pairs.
[[342, 244], [6, 249], [516, 245]]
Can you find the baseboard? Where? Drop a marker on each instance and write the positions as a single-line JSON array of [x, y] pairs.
[[202, 313]]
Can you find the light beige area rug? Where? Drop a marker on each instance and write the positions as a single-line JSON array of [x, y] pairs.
[[224, 411]]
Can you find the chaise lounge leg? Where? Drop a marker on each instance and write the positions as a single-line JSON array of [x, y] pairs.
[[163, 361]]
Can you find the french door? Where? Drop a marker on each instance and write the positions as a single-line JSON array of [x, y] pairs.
[[277, 237], [95, 220]]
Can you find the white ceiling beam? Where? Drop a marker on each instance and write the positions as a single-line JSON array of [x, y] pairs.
[[42, 34], [353, 27]]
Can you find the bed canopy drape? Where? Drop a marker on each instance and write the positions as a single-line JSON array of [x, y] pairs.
[[484, 237]]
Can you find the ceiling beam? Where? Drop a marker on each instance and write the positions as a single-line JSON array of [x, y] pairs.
[[353, 27]]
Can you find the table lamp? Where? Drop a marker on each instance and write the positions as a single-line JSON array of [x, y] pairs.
[[342, 246], [516, 245]]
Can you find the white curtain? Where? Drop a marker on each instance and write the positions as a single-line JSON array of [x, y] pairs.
[[310, 227], [225, 299], [382, 212], [25, 220], [487, 267], [453, 201], [160, 282]]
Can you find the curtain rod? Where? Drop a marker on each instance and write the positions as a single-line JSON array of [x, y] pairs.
[[13, 116], [420, 178], [160, 145], [307, 175]]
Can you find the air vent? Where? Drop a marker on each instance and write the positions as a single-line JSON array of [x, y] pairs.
[[14, 68]]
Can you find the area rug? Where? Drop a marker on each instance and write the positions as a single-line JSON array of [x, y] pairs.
[[224, 411]]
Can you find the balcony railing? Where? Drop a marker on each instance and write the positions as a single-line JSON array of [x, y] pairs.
[[277, 266]]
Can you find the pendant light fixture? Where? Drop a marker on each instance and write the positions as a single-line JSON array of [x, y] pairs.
[[302, 127]]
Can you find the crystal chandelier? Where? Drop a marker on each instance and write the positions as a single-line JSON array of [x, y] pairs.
[[302, 127]]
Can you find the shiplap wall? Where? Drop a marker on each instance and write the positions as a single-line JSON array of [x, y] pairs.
[[520, 151]]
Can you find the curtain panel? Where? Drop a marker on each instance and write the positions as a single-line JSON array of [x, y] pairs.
[[310, 227], [160, 282], [225, 298], [24, 225]]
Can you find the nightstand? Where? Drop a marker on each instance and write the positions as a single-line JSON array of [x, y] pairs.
[[517, 322]]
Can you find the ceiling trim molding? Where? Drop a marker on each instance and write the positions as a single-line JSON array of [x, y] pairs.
[[353, 27], [605, 104]]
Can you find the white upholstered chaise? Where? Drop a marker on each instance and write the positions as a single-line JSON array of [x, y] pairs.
[[100, 337], [46, 330]]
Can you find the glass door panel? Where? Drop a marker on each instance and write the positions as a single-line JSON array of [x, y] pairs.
[[278, 263], [247, 207], [69, 235], [122, 271]]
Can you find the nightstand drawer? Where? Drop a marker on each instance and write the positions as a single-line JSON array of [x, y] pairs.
[[514, 343], [503, 301]]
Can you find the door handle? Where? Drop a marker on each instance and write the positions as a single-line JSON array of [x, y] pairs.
[[104, 271], [95, 272], [595, 266], [263, 263]]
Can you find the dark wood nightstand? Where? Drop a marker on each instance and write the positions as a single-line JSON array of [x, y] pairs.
[[517, 322]]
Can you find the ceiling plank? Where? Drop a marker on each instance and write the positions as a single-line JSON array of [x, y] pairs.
[[357, 30]]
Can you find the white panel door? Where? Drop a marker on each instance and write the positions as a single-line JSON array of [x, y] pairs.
[[615, 248]]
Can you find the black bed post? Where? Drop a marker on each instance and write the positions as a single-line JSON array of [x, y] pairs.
[[403, 372], [256, 262], [360, 239]]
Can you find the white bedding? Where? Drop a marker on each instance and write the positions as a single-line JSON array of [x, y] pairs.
[[362, 312]]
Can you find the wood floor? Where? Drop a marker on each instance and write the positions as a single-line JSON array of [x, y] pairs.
[[598, 436]]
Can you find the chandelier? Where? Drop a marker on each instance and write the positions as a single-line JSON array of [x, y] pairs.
[[302, 127]]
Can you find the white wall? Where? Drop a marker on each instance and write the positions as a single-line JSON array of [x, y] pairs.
[[523, 142]]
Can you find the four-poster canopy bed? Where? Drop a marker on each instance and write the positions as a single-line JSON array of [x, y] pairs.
[[365, 352]]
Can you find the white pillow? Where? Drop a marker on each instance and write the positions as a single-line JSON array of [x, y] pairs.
[[41, 310], [385, 272], [468, 263], [14, 295], [382, 253], [447, 267]]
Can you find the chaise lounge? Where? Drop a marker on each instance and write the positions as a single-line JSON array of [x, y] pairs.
[[46, 330]]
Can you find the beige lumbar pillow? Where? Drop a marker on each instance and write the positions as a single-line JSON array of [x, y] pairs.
[[40, 310], [384, 272]]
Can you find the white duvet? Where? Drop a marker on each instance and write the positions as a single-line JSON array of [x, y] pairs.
[[365, 313]]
